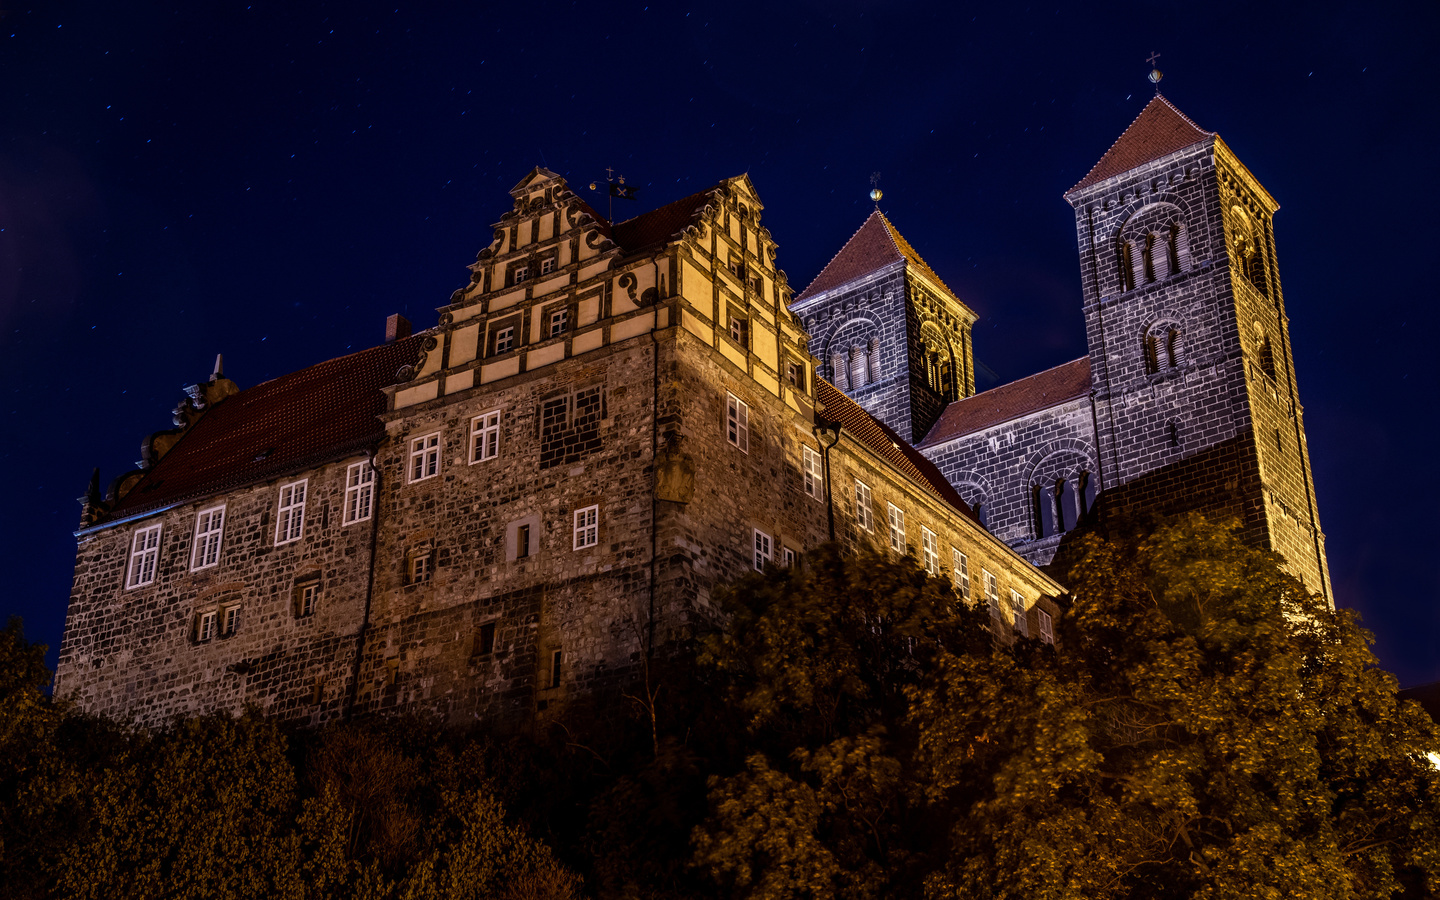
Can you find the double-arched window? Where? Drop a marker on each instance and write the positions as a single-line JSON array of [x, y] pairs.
[[1061, 501], [1164, 347], [1153, 246]]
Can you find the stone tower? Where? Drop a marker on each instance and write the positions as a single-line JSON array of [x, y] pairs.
[[887, 330], [1193, 383]]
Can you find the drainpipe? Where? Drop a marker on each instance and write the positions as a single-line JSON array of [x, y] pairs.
[[827, 432], [349, 706]]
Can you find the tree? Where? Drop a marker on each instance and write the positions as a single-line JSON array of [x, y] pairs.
[[1206, 729]]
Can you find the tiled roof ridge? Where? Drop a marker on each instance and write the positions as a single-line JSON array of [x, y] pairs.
[[845, 246], [888, 445], [912, 254], [1088, 180], [1009, 393]]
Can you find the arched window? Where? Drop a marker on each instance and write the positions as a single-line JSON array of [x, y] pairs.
[[1179, 245], [1267, 358], [839, 371], [857, 367], [1127, 271], [1061, 504], [1163, 348], [1148, 243], [872, 360]]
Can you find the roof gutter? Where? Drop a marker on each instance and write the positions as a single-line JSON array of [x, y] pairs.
[[85, 532]]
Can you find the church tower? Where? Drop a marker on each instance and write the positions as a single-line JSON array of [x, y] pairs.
[[887, 330], [1194, 386]]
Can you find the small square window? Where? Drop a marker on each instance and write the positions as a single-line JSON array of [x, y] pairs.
[[290, 519], [897, 528], [359, 492], [424, 457], [763, 550], [229, 621], [737, 423], [812, 471], [587, 527], [863, 517], [485, 639], [422, 567], [209, 525], [930, 550], [740, 331], [519, 274], [960, 564], [559, 322], [795, 376], [547, 266], [522, 542], [485, 436], [205, 626], [503, 340], [144, 556], [307, 595]]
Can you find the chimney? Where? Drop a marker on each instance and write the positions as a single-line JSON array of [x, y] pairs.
[[397, 328]]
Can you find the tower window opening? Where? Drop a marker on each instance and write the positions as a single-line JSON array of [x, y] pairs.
[[838, 371], [1127, 271], [872, 361], [1148, 257], [1267, 358], [857, 367]]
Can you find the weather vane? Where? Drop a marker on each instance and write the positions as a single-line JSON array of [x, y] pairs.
[[1155, 73], [617, 188], [875, 192]]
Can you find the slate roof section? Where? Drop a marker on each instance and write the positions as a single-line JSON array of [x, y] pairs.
[[1158, 131], [886, 444], [656, 227], [876, 245], [325, 412], [1011, 401]]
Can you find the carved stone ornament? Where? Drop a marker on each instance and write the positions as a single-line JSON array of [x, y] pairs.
[[447, 317], [628, 282], [404, 373], [674, 472], [430, 343]]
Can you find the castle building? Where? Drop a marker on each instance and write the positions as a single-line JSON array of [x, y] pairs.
[[518, 506], [1186, 399]]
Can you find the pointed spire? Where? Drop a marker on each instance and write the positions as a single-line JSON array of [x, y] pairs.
[[1158, 131], [219, 367]]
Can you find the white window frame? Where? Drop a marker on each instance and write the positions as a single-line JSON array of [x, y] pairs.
[[205, 626], [1047, 626], [587, 527], [229, 620], [764, 547], [737, 422], [864, 517], [895, 516], [547, 265], [960, 571], [290, 515], [485, 436], [930, 550], [789, 557], [992, 592], [144, 557], [1017, 612], [309, 599], [504, 339], [559, 322], [422, 566], [519, 274], [814, 476], [359, 493], [424, 460], [209, 533]]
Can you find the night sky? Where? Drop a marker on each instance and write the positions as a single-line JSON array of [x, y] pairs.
[[271, 180]]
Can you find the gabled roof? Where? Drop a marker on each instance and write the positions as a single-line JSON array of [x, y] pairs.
[[876, 245], [1011, 401], [307, 417], [658, 226], [886, 444], [1159, 130]]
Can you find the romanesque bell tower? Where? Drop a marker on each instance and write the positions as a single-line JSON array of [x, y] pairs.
[[1194, 385], [887, 330]]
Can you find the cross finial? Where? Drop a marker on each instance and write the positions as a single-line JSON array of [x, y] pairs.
[[1155, 73], [1151, 58], [609, 173]]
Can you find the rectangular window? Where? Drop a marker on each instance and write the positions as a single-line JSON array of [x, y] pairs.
[[559, 322], [502, 340], [522, 542], [763, 550], [897, 528], [306, 596], [587, 527], [421, 567], [813, 474], [229, 621], [485, 436], [960, 571], [485, 639], [740, 331], [789, 557], [863, 517], [547, 266], [795, 375], [144, 556], [290, 520], [205, 626], [209, 525], [519, 274], [930, 550], [737, 422], [359, 492], [1017, 613], [1047, 626], [992, 592], [555, 668], [425, 457]]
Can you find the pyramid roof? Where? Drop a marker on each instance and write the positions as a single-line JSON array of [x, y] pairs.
[[876, 245], [1158, 131]]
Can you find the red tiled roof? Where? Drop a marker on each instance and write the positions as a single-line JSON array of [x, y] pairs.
[[1160, 129], [886, 444], [876, 245], [1010, 401], [301, 419], [658, 226]]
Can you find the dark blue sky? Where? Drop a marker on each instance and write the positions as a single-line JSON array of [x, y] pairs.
[[270, 180]]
